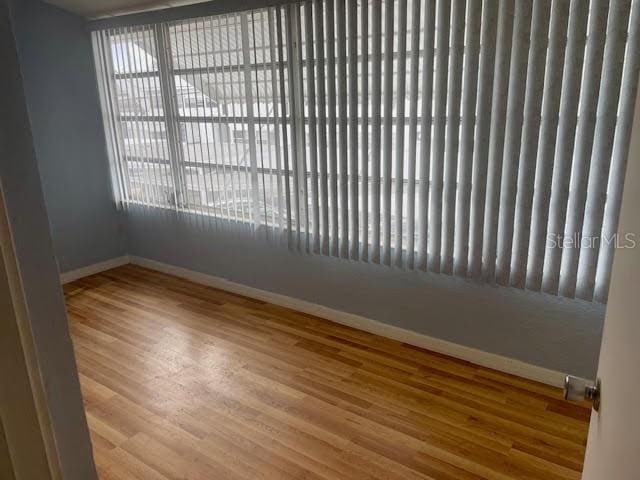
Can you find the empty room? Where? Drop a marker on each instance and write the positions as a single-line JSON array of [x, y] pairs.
[[319, 239]]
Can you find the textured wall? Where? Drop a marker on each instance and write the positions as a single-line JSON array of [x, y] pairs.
[[56, 60]]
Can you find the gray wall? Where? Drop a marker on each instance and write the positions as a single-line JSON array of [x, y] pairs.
[[544, 330], [28, 223], [54, 48]]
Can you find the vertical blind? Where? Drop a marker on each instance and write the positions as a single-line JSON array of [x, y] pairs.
[[485, 139]]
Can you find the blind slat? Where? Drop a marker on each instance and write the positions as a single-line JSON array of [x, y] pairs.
[[521, 226], [387, 132], [218, 196], [400, 112], [469, 97], [319, 40], [496, 139], [155, 150], [331, 113], [628, 93], [285, 136], [141, 63], [450, 178], [364, 133], [207, 177], [413, 131], [574, 61], [199, 173], [128, 60], [376, 100], [223, 82], [547, 141], [343, 153], [240, 175], [277, 115], [265, 118], [223, 154], [295, 188], [311, 114], [255, 190], [103, 72], [425, 132], [513, 137], [484, 120], [584, 144], [603, 145], [352, 44], [439, 133], [118, 147], [301, 128]]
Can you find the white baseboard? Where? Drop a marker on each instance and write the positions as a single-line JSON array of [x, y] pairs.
[[72, 275], [479, 357]]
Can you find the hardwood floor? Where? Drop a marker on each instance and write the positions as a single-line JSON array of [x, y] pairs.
[[182, 381]]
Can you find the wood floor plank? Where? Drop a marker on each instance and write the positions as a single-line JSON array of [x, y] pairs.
[[184, 381]]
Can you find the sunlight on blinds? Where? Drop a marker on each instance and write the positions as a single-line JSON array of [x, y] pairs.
[[486, 139]]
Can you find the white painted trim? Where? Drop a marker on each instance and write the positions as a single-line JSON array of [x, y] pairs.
[[479, 357], [72, 275]]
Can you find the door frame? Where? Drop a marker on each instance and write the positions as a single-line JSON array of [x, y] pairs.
[[28, 449]]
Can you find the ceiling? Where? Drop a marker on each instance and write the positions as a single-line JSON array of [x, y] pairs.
[[109, 8]]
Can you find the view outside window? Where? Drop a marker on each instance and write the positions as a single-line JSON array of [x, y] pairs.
[[207, 81], [213, 70]]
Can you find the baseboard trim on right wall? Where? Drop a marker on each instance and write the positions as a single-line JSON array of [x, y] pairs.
[[473, 355]]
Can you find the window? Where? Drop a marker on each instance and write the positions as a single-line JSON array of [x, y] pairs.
[[240, 136], [466, 138]]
